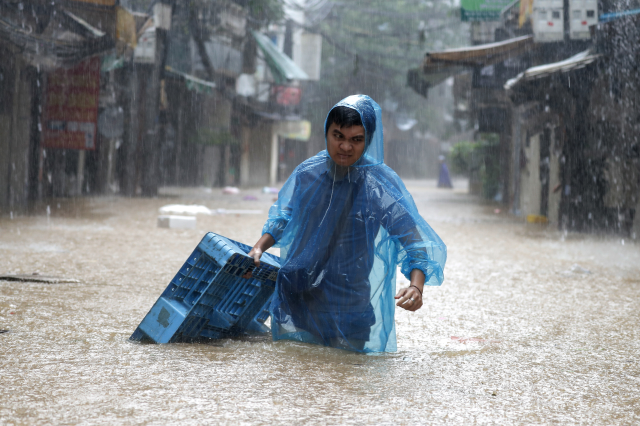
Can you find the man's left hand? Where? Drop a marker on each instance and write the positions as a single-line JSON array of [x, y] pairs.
[[409, 298]]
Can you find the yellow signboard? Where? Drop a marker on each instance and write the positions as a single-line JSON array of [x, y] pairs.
[[526, 9]]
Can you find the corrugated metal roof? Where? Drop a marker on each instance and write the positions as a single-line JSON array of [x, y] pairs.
[[438, 66], [477, 56], [580, 60]]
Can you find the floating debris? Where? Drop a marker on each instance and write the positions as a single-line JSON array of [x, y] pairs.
[[225, 211], [179, 209], [179, 222], [577, 269], [230, 190], [37, 278], [466, 340]]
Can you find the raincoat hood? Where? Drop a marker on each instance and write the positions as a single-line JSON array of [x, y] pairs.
[[371, 116]]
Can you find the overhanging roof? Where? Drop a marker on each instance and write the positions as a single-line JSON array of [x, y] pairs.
[[575, 62], [477, 56], [438, 66], [282, 67]]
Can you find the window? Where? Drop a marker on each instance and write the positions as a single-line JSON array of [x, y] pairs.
[[542, 15], [591, 13], [555, 14], [575, 14]]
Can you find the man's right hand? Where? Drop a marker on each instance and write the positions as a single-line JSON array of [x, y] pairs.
[[256, 253], [264, 243]]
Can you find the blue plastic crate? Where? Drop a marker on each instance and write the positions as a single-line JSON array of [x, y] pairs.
[[209, 298]]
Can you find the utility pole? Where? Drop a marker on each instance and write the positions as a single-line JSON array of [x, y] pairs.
[[162, 12]]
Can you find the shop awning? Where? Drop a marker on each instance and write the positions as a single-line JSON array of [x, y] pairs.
[[477, 56], [575, 62], [438, 66], [282, 67], [192, 82]]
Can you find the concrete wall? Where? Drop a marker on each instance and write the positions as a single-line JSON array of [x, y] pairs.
[[555, 182], [5, 164], [530, 187], [211, 161], [635, 229], [256, 155], [14, 147]]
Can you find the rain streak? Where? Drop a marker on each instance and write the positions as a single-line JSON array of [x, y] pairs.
[[199, 224]]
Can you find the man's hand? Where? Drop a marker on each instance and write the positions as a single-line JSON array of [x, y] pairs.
[[256, 253], [263, 244], [410, 298]]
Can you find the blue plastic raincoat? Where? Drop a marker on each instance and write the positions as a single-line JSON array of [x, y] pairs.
[[341, 238]]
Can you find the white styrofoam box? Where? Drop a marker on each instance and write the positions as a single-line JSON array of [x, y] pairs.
[[176, 222]]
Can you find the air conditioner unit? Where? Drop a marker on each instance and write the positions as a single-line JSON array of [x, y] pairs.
[[582, 14], [548, 21]]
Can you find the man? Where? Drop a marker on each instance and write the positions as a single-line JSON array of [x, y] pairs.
[[343, 222]]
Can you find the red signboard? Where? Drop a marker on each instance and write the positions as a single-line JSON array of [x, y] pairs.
[[71, 107], [287, 95]]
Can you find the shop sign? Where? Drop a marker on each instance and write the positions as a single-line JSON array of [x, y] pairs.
[[299, 130], [287, 95], [482, 10], [71, 107], [145, 50]]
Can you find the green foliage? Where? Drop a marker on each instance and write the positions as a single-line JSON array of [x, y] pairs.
[[460, 157], [480, 162], [266, 10], [213, 137], [369, 46]]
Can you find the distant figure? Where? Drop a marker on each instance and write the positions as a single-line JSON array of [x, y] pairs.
[[444, 180]]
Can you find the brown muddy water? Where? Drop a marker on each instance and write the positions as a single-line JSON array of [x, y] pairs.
[[532, 326]]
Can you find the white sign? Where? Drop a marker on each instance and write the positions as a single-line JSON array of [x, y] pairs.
[[145, 50], [162, 16], [307, 53]]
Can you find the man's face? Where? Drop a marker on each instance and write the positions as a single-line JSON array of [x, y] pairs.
[[346, 144]]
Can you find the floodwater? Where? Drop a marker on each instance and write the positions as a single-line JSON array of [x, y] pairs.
[[530, 326]]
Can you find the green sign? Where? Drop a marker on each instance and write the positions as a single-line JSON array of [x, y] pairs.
[[482, 10]]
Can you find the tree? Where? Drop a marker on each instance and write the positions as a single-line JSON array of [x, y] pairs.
[[369, 46]]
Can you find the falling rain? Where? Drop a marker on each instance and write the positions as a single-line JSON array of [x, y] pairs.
[[130, 129]]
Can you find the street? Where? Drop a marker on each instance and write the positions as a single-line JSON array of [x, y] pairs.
[[532, 325]]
